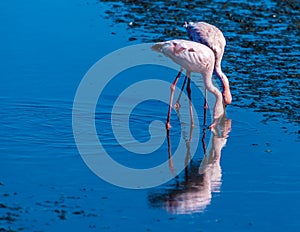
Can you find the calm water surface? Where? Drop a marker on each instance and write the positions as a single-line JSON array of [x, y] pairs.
[[248, 181]]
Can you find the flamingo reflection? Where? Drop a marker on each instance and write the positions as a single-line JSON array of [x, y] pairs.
[[193, 193]]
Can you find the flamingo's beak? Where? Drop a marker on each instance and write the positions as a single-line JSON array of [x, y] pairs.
[[157, 47]]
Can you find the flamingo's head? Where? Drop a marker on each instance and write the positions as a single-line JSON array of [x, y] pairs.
[[188, 27]]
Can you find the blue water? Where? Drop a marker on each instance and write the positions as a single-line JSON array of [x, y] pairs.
[[47, 47]]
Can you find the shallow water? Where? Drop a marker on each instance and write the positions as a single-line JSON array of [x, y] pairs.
[[47, 47]]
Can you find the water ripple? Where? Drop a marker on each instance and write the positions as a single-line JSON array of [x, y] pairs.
[[36, 127]]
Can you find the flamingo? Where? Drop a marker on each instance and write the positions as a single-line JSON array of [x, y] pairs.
[[193, 57], [212, 37]]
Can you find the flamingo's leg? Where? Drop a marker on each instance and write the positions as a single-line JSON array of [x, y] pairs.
[[177, 104], [188, 89], [168, 125], [205, 107]]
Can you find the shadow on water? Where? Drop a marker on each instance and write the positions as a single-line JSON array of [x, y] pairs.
[[262, 52], [192, 190]]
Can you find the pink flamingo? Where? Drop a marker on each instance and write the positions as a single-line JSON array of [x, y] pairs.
[[193, 57], [212, 37]]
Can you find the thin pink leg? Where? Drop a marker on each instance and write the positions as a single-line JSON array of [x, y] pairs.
[[205, 98], [177, 104], [188, 89], [205, 107], [168, 125]]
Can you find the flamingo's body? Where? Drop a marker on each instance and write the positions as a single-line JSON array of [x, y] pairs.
[[193, 57], [212, 37]]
